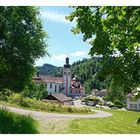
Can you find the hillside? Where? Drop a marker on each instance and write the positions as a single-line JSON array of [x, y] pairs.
[[48, 69]]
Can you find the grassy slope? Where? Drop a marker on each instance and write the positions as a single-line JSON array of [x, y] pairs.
[[122, 122], [13, 123]]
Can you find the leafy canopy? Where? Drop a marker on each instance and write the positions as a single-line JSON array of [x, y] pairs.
[[22, 41], [114, 32]]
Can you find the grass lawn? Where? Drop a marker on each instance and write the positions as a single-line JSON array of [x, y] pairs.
[[122, 122]]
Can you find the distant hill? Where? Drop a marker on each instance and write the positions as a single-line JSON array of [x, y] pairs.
[[48, 69]]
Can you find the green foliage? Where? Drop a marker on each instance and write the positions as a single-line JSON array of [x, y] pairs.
[[138, 121], [48, 69], [118, 103], [12, 123], [113, 31], [87, 72], [94, 99], [4, 94], [115, 93], [19, 100], [37, 91], [22, 41]]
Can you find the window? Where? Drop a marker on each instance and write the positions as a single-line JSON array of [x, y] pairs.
[[59, 87], [75, 91], [79, 91], [65, 73], [50, 85], [135, 105], [55, 88], [131, 105]]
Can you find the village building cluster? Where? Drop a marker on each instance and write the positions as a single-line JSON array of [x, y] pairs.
[[67, 85]]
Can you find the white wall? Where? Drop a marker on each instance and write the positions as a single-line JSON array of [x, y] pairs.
[[133, 105], [52, 90]]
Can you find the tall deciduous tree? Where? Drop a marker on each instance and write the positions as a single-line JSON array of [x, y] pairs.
[[22, 40], [114, 32]]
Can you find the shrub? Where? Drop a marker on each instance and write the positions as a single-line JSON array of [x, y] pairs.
[[14, 99], [35, 91], [94, 99], [12, 123], [70, 109], [118, 103], [18, 99], [4, 94]]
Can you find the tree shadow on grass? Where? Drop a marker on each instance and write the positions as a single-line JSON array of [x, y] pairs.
[[12, 123]]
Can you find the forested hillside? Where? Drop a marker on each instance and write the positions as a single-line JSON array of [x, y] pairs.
[[87, 71], [48, 69]]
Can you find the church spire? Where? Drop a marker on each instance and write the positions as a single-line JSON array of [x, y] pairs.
[[67, 65]]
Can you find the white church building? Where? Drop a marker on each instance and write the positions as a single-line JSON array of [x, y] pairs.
[[66, 85]]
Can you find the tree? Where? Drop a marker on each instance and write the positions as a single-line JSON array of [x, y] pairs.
[[115, 92], [114, 33], [35, 91], [22, 41]]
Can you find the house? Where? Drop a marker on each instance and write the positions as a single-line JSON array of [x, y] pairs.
[[132, 103], [57, 98], [65, 84]]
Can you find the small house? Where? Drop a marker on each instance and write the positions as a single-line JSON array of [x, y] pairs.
[[58, 98], [132, 102]]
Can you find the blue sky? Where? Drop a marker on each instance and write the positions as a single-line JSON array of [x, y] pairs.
[[61, 40]]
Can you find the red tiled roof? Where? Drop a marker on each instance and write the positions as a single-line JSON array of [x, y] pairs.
[[50, 79], [37, 79]]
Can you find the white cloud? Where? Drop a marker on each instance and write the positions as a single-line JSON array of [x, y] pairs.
[[60, 57], [79, 53], [54, 16]]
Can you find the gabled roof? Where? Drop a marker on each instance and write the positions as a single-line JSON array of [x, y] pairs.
[[129, 95], [59, 96]]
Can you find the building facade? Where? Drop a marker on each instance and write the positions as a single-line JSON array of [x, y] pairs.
[[66, 85], [132, 103]]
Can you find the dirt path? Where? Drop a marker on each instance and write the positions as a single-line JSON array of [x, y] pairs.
[[54, 123], [46, 116]]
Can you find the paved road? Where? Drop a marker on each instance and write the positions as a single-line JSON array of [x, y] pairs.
[[48, 116]]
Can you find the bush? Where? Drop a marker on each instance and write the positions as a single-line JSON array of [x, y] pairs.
[[35, 91], [12, 123], [4, 94], [117, 103], [19, 100], [70, 109]]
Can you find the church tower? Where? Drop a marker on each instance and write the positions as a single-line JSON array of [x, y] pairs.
[[67, 78]]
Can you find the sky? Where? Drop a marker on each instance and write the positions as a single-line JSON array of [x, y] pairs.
[[61, 41]]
